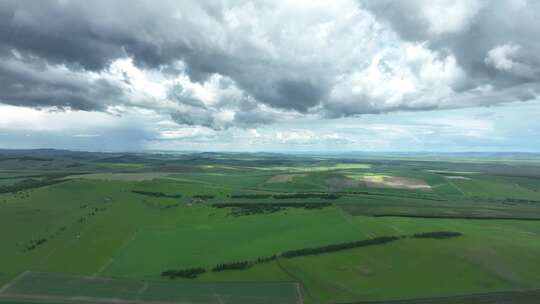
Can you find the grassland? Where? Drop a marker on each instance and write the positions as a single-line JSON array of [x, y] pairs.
[[96, 223]]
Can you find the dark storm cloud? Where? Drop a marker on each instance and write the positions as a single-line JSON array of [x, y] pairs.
[[298, 94], [33, 85], [91, 35], [253, 118], [57, 33], [196, 117]]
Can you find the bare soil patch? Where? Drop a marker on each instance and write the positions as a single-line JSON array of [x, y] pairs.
[[396, 182]]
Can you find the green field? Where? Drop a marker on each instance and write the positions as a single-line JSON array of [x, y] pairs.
[[101, 226], [61, 287]]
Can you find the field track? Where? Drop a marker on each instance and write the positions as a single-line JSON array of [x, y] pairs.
[[508, 297]]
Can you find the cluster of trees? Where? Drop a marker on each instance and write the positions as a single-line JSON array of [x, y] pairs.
[[517, 200], [288, 196], [204, 196], [508, 200], [252, 211], [437, 235], [35, 243], [189, 273], [339, 247], [156, 194], [28, 158], [28, 184], [92, 212], [266, 208]]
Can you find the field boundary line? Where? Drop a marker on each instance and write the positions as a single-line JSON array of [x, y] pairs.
[[78, 299], [300, 285], [474, 296], [12, 282], [458, 189], [299, 293], [128, 240], [141, 291], [348, 218]]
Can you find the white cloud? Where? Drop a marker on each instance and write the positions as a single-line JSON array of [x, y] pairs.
[[186, 133], [408, 76], [449, 16], [500, 57]]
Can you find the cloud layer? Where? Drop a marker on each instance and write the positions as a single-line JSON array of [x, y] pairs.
[[246, 64]]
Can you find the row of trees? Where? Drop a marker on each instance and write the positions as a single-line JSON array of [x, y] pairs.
[[156, 194], [204, 196], [35, 243], [232, 266], [266, 208], [28, 184], [437, 235], [189, 273], [265, 205], [241, 265], [339, 247], [288, 196]]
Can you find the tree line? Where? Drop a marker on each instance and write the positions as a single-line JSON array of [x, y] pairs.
[[156, 194], [204, 196], [35, 243], [338, 247], [189, 273], [192, 273], [243, 264], [262, 205], [239, 209], [28, 184], [436, 235], [288, 196]]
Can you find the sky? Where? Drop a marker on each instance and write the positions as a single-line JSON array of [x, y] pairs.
[[303, 75]]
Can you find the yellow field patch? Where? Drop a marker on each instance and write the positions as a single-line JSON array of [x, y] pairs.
[[385, 181], [284, 178]]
